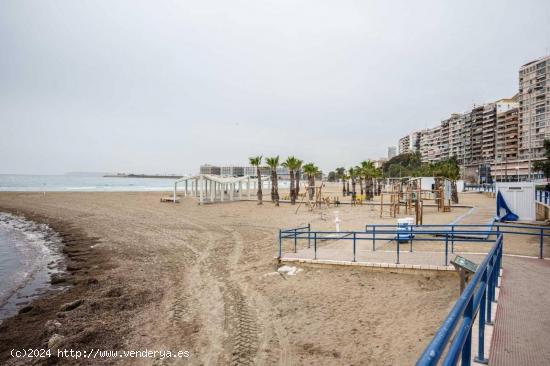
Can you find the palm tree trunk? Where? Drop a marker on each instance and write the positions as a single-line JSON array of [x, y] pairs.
[[311, 184], [292, 190], [258, 173], [273, 183], [361, 185], [276, 190], [343, 187], [297, 177]]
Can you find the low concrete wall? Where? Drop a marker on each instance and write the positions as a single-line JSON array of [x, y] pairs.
[[543, 211]]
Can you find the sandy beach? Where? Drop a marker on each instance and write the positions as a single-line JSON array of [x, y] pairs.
[[202, 279]]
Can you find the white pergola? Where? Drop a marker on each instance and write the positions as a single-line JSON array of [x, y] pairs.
[[215, 188]]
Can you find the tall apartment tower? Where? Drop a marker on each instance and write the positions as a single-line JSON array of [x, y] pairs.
[[507, 141], [456, 137], [409, 143], [534, 108], [404, 145]]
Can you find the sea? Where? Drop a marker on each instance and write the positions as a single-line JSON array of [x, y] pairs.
[[79, 183], [30, 253]]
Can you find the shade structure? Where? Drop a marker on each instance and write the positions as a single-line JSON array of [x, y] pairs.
[[214, 188]]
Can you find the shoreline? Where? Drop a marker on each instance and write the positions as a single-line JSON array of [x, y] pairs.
[[35, 323], [47, 274]]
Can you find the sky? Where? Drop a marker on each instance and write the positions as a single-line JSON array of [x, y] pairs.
[[164, 86]]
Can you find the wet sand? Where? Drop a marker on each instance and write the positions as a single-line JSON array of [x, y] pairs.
[[203, 279]]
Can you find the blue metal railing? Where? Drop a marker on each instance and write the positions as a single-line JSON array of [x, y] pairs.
[[476, 299], [448, 235]]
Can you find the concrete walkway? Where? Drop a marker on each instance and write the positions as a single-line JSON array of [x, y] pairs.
[[522, 324]]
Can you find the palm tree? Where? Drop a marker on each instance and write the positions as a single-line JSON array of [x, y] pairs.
[[352, 174], [257, 161], [311, 171], [340, 174], [297, 176], [291, 163], [273, 163], [368, 171]]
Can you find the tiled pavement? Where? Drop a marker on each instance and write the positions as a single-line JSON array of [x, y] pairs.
[[522, 324]]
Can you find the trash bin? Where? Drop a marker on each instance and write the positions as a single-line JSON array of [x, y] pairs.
[[404, 229]]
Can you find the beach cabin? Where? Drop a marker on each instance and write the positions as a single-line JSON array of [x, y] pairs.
[[519, 197]]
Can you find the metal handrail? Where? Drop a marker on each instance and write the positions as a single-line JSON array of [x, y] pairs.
[[452, 233], [476, 297]]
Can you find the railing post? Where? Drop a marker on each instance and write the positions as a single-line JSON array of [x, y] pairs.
[[280, 245], [467, 349], [495, 278], [446, 249], [397, 239], [541, 254], [374, 238], [315, 245], [490, 268], [354, 246], [295, 241], [481, 330], [309, 235], [411, 239]]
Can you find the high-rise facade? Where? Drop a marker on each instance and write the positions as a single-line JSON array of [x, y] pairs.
[[409, 143], [534, 108]]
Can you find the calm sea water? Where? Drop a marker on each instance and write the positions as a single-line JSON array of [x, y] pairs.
[[74, 183], [62, 183], [29, 254]]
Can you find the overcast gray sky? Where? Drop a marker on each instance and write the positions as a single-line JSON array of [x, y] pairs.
[[163, 86]]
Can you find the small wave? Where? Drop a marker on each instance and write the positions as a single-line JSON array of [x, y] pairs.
[[27, 249]]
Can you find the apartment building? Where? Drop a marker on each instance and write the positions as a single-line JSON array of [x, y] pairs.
[[210, 169], [409, 143], [404, 145], [476, 139], [431, 144], [534, 108], [507, 144], [240, 171], [456, 136]]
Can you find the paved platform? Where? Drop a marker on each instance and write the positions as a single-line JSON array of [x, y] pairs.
[[343, 252], [522, 324]]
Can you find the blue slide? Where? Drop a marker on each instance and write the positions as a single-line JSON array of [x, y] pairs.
[[508, 214]]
